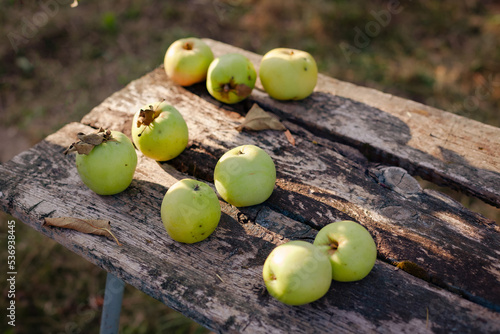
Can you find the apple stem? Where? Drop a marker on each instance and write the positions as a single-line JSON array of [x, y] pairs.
[[140, 134], [334, 245], [188, 46]]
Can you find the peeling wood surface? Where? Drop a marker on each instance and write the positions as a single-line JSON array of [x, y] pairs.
[[439, 146], [323, 178], [318, 183]]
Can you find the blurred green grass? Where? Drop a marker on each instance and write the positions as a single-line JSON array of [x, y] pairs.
[[442, 53]]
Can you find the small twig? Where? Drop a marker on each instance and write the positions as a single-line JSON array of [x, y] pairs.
[[219, 278]]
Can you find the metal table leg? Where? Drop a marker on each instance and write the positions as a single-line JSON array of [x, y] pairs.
[[111, 309]]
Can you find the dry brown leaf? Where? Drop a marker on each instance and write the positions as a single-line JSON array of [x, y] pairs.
[[290, 138], [86, 143], [92, 139], [89, 226], [258, 119], [146, 116], [80, 147]]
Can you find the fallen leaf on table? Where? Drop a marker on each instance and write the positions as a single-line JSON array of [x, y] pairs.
[[89, 226], [258, 119], [290, 138]]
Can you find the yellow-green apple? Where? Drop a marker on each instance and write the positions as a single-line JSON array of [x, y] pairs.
[[159, 131], [245, 175], [350, 247], [186, 61], [190, 211], [288, 74], [109, 167], [231, 78], [297, 273]]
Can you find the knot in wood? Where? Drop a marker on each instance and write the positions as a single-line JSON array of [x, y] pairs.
[[398, 180]]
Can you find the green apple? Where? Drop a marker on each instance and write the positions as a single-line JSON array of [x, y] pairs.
[[245, 175], [109, 167], [231, 78], [297, 273], [186, 61], [190, 211], [288, 74], [159, 131], [351, 250]]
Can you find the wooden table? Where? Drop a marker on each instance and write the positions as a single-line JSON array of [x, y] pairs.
[[356, 153]]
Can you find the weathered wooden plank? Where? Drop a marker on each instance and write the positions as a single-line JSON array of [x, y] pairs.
[[319, 181], [217, 282], [438, 146]]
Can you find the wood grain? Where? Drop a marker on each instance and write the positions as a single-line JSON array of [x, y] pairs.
[[319, 183], [218, 282]]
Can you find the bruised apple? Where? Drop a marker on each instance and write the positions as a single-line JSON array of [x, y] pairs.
[[231, 78]]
